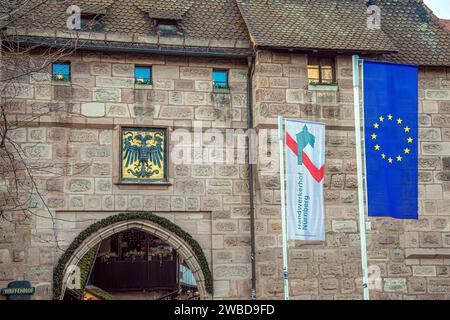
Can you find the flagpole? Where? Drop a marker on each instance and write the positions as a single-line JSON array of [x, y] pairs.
[[366, 207], [283, 209], [359, 165]]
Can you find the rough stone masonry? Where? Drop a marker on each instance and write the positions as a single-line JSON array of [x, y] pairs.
[[407, 259], [74, 135]]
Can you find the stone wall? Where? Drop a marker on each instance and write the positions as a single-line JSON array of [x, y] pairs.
[[407, 259], [75, 140]]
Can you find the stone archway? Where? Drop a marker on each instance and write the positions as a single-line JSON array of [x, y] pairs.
[[180, 240]]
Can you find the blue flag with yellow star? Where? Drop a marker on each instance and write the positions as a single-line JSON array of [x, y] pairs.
[[390, 127]]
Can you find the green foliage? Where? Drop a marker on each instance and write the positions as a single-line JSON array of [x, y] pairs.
[[58, 272], [86, 264], [135, 253], [143, 81], [317, 83]]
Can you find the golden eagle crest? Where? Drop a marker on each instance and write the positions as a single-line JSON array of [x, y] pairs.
[[143, 154]]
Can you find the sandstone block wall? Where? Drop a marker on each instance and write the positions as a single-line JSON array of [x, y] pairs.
[[75, 139], [407, 259], [74, 145]]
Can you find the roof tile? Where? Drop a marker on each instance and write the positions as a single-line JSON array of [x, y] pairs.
[[410, 33], [416, 32], [317, 24], [208, 19]]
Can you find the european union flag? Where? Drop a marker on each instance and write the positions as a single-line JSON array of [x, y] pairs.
[[391, 125]]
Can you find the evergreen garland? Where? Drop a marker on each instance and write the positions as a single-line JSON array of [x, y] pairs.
[[58, 272]]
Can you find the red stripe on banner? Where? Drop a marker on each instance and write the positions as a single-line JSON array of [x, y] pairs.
[[316, 173], [291, 143]]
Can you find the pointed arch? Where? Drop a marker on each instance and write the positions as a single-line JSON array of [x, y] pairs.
[[180, 240]]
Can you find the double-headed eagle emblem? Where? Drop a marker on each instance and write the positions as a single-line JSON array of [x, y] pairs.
[[143, 152]]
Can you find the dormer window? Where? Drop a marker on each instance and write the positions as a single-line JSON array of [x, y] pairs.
[[166, 25], [92, 22]]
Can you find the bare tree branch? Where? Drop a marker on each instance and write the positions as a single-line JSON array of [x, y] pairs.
[[21, 168]]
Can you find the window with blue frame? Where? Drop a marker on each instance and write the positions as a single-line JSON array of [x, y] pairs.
[[61, 71], [143, 74], [220, 79]]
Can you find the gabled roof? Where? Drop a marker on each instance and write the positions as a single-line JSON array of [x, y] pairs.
[[312, 24], [418, 34], [202, 19], [410, 33]]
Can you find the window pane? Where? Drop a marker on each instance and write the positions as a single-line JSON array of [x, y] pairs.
[[320, 70], [313, 73], [220, 78], [86, 23], [327, 74], [142, 75], [167, 25], [61, 71], [91, 22]]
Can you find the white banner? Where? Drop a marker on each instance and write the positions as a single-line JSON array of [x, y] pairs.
[[305, 160]]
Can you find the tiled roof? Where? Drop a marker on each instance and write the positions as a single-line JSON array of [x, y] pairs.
[[312, 24], [94, 8], [203, 19], [415, 31], [410, 33], [165, 9], [446, 23], [54, 15]]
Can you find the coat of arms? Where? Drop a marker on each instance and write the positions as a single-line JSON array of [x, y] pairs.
[[144, 155]]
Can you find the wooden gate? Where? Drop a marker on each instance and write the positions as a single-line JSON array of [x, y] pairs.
[[135, 276]]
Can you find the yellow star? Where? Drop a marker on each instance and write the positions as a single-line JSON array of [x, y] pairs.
[[383, 156], [399, 158], [390, 117], [410, 140], [377, 147], [374, 136], [407, 129], [390, 160], [381, 119], [376, 125], [399, 121], [407, 151]]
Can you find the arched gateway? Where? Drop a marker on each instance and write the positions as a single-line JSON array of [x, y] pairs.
[[182, 242]]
